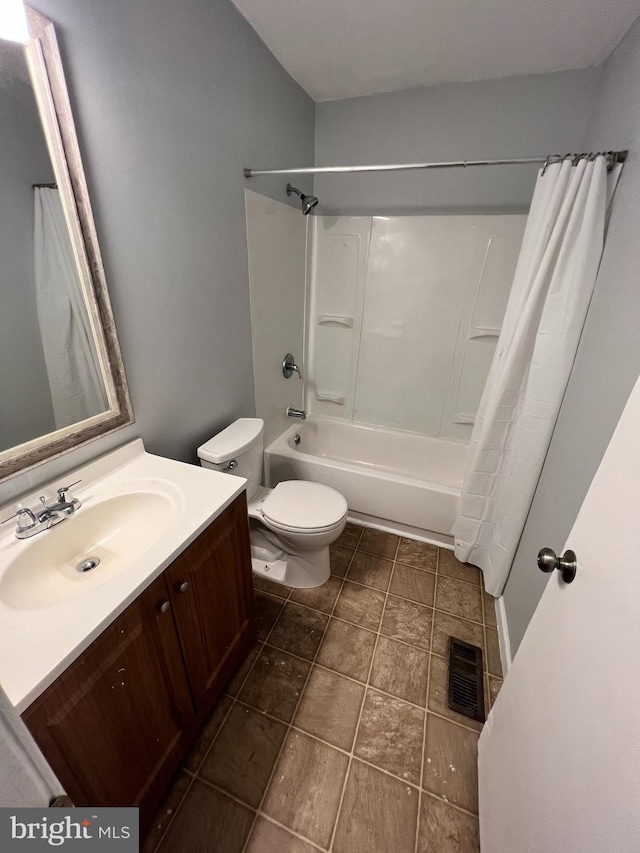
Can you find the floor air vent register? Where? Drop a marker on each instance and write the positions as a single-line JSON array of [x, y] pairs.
[[466, 693]]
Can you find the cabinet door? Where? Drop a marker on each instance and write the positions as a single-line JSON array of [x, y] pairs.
[[211, 589], [115, 724]]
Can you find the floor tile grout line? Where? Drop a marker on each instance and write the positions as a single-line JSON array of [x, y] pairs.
[[371, 631], [428, 651], [388, 593], [195, 773], [295, 710], [339, 749], [460, 580], [372, 686], [393, 595], [283, 601], [292, 832], [426, 705], [422, 783], [234, 700], [174, 811], [364, 699], [257, 812], [448, 803], [331, 746]]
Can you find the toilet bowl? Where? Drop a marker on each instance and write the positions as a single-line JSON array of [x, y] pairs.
[[293, 524]]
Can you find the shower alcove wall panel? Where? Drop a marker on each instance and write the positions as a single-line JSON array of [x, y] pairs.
[[403, 317]]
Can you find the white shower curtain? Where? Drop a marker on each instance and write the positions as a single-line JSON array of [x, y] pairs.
[[547, 307], [77, 389]]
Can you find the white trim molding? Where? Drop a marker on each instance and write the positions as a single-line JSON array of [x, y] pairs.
[[503, 636]]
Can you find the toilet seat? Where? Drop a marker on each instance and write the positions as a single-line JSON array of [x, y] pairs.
[[302, 506]]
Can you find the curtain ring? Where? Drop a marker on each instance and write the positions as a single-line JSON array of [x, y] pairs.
[[546, 163]]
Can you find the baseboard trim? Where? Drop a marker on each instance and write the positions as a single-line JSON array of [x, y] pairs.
[[503, 636]]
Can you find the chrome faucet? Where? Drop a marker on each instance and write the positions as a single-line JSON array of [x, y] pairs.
[[62, 505], [29, 522], [296, 413]]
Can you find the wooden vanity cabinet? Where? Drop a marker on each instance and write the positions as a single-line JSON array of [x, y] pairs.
[[211, 590], [122, 711], [116, 724]]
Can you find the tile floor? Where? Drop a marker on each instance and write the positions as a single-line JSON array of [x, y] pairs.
[[335, 734]]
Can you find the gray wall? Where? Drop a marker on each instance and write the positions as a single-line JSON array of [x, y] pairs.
[[26, 410], [608, 360], [513, 117], [171, 100]]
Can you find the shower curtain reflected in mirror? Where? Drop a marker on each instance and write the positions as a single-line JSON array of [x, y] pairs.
[[547, 308], [73, 369]]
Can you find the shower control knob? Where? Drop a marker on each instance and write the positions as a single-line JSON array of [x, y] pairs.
[[548, 561]]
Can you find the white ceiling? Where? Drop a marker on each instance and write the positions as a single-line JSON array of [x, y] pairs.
[[345, 48]]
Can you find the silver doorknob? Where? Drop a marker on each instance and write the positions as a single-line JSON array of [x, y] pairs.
[[165, 607], [184, 586], [548, 561]]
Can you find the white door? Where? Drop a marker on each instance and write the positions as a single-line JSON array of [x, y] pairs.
[[559, 757]]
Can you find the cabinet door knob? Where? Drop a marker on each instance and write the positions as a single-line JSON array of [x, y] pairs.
[[165, 607], [183, 586]]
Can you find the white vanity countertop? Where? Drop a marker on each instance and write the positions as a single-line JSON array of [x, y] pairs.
[[37, 645]]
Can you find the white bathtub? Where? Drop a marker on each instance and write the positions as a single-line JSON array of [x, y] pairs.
[[390, 478]]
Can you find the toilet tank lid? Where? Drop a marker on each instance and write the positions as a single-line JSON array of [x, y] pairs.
[[232, 441]]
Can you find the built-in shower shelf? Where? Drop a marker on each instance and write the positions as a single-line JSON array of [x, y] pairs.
[[479, 334], [335, 320], [330, 398]]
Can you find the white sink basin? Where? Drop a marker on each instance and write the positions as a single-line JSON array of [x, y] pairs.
[[56, 565], [139, 512]]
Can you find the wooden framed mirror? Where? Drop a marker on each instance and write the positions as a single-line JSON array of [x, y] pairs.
[[62, 380]]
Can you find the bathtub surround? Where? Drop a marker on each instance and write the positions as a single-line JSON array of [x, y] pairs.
[[276, 246], [403, 317], [547, 307], [608, 358]]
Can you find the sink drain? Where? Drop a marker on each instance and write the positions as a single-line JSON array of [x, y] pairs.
[[89, 564]]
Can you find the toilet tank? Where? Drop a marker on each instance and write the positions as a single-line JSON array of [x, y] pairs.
[[241, 442]]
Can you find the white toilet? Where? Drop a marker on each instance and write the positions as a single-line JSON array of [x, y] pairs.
[[293, 524]]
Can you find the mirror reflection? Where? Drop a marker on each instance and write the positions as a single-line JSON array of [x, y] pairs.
[[50, 373]]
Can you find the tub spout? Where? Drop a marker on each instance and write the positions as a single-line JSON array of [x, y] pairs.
[[296, 413]]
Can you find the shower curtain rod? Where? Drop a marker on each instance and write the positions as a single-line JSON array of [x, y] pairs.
[[613, 157]]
